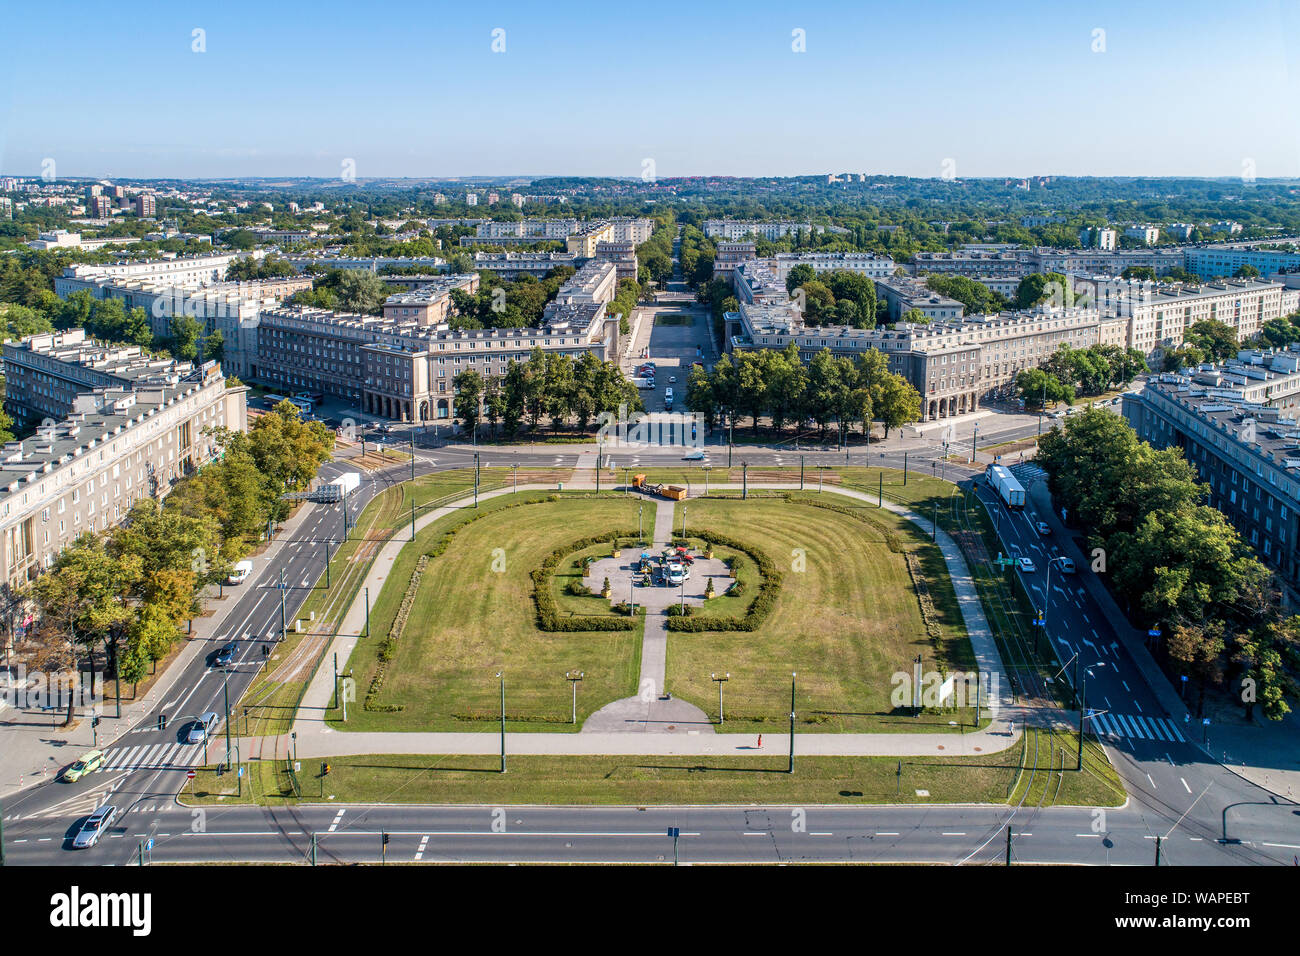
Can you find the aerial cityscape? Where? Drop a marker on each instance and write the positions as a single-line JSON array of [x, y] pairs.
[[657, 489]]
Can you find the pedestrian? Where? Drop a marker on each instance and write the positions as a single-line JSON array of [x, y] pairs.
[[760, 741]]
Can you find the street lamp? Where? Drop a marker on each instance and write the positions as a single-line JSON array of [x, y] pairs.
[[502, 677], [573, 677], [793, 675], [720, 680]]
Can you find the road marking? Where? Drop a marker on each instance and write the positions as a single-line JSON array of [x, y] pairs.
[[335, 825], [955, 834], [821, 833], [887, 833], [1284, 846], [1138, 706], [1091, 836], [1185, 787], [424, 841], [1152, 782], [1126, 687]]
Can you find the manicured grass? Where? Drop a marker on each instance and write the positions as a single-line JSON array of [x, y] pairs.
[[470, 621], [674, 318], [846, 620], [991, 778]]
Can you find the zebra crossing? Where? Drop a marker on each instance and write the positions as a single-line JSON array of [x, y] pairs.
[[1027, 473], [1136, 727], [154, 757]]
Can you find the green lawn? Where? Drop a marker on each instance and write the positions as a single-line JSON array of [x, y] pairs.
[[845, 623], [1029, 774], [675, 318], [470, 621]]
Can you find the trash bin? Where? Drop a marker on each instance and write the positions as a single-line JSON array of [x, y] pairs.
[[561, 486]]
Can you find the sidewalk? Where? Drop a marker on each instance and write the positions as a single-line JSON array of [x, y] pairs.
[[316, 739], [31, 750]]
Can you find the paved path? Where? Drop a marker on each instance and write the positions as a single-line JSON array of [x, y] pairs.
[[315, 739], [650, 711]]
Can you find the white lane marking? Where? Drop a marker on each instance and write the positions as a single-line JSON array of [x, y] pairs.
[[1126, 687], [1185, 787], [1152, 782], [335, 825]]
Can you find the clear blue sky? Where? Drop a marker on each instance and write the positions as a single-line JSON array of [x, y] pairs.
[[703, 87]]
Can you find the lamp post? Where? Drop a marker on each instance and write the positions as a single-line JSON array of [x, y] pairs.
[[793, 675], [573, 677], [502, 676], [974, 439], [515, 469], [720, 681]]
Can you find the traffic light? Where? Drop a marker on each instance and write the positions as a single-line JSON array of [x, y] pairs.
[[94, 721], [325, 769], [162, 721], [385, 839]]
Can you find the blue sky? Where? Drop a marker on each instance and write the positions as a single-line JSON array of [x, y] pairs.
[[414, 89]]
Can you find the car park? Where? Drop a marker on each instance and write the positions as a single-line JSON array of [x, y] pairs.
[[1026, 565], [90, 832], [88, 762], [202, 728]]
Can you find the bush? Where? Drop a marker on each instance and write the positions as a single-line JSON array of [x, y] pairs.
[[758, 609], [548, 615], [578, 589], [680, 610]]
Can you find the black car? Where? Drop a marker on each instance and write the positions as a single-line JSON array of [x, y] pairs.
[[225, 656]]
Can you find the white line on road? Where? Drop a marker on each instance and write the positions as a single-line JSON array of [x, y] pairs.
[[1185, 787]]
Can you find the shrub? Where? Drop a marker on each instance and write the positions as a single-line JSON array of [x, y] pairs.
[[680, 610], [759, 608], [578, 589], [548, 615]]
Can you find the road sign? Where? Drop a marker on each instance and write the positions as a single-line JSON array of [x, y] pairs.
[[189, 774], [149, 844], [674, 832], [1155, 632], [241, 771]]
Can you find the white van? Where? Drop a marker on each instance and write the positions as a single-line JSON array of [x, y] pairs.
[[240, 572]]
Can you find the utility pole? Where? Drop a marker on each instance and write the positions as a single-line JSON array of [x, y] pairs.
[[744, 480], [904, 469], [284, 621], [367, 612], [1082, 681], [515, 468], [327, 565], [502, 676], [801, 472], [475, 479], [412, 520], [413, 456], [1009, 846], [793, 675]]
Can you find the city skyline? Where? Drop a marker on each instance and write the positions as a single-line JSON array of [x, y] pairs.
[[420, 93]]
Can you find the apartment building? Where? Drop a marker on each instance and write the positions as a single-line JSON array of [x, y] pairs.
[[902, 295], [863, 263], [744, 228], [1243, 444], [1210, 261], [394, 367], [1148, 235], [1104, 239], [621, 252], [197, 270], [146, 206], [511, 265], [728, 255], [430, 302], [118, 443], [953, 364]]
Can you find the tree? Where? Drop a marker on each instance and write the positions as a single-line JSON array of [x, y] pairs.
[[185, 334], [214, 349], [797, 276], [895, 402], [1246, 272], [1039, 389], [469, 399], [1039, 287], [1216, 339]]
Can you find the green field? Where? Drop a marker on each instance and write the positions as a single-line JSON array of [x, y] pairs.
[[675, 318], [469, 621], [1038, 771], [845, 623]]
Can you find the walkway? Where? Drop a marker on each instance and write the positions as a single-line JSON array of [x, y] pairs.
[[651, 710], [665, 727]]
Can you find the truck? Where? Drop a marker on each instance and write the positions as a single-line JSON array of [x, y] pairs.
[[240, 572], [336, 489], [672, 492], [642, 382], [1004, 483]]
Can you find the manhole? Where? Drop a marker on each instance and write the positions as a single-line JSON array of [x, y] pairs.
[[672, 727]]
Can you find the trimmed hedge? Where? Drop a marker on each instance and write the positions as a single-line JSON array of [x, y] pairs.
[[548, 614], [758, 609]]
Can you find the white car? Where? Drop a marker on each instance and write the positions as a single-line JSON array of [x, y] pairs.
[[90, 832], [697, 455], [1064, 565], [1027, 565]]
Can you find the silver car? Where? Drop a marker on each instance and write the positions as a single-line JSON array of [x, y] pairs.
[[94, 827], [201, 728]]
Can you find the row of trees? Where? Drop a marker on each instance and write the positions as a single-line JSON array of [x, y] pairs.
[[548, 385], [1070, 372], [499, 304], [1174, 560], [130, 591], [775, 384]]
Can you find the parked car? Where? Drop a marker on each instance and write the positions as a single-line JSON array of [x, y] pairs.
[[672, 379], [225, 656], [1043, 528], [1027, 565], [202, 728], [89, 762], [676, 574], [94, 827], [1064, 565]]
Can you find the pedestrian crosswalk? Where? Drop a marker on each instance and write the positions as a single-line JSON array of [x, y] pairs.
[[1027, 473], [154, 757], [1135, 726]]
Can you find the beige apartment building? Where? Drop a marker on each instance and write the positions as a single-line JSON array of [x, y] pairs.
[[118, 444]]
